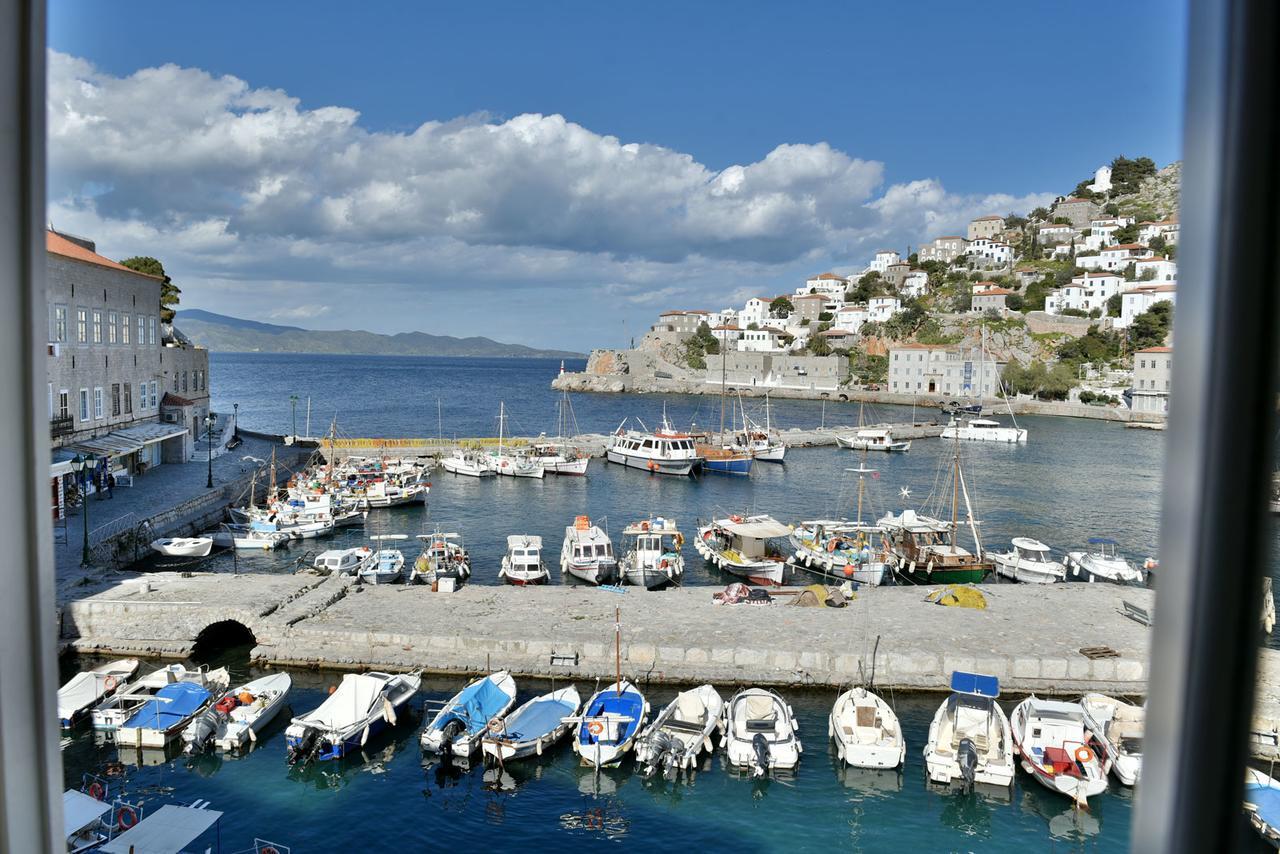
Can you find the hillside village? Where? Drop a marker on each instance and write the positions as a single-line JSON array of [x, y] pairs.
[[1073, 302]]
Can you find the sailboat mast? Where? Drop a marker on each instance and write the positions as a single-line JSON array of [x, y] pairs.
[[860, 485], [271, 486], [968, 509], [502, 418], [723, 374], [955, 495], [617, 647]]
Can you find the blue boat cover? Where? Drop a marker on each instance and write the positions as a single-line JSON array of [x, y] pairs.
[[1106, 541], [171, 705], [538, 719], [476, 705], [630, 704], [1267, 799], [975, 683]]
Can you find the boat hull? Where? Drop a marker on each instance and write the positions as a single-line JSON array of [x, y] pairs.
[[1020, 572], [680, 468], [1006, 435], [771, 454], [573, 468], [530, 581], [592, 574], [193, 547], [873, 573], [652, 578], [735, 466], [767, 573], [1081, 566]]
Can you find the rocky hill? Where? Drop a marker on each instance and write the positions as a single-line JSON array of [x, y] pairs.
[[1158, 194]]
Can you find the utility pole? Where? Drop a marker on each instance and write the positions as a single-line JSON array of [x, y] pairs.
[[209, 421]]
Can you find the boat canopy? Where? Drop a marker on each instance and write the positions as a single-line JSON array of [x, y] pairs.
[[170, 828], [1102, 541], [755, 527], [975, 683], [170, 705], [80, 810], [477, 703], [523, 541], [1030, 545], [349, 704]]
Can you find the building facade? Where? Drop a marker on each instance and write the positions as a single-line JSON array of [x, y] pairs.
[[986, 226], [943, 370], [1139, 298], [1152, 379], [944, 249]]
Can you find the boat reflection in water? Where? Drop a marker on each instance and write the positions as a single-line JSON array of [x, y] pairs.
[[373, 758], [870, 783], [605, 818], [1066, 821]]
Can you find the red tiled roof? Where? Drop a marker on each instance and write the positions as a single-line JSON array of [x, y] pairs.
[[56, 244], [171, 399], [833, 333], [1156, 350], [996, 291], [829, 276], [1124, 246]]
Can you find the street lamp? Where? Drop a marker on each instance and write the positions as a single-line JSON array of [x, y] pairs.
[[293, 402], [209, 422], [82, 465], [235, 420]]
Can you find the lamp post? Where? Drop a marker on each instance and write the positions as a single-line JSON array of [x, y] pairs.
[[293, 402], [209, 422], [235, 420], [83, 464]]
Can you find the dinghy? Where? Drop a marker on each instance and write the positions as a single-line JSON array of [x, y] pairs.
[[760, 733], [534, 727], [1119, 726], [162, 719], [362, 706], [234, 721], [1029, 562], [387, 564], [1262, 804], [183, 546], [609, 724], [112, 712], [1058, 749], [461, 722], [522, 564], [866, 731], [680, 732], [88, 688], [969, 739]]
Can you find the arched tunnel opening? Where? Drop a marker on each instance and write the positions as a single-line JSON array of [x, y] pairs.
[[224, 643]]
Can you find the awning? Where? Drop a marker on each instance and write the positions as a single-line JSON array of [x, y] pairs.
[[60, 466], [169, 829], [80, 810], [149, 434], [126, 440], [755, 527]]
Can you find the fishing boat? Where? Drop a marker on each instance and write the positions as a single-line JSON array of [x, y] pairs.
[[558, 455], [522, 564], [534, 727], [665, 451], [1262, 804], [760, 733], [461, 722], [723, 453], [1102, 562], [1030, 562], [362, 706], [844, 550], [651, 555], [468, 463], [874, 439], [509, 463], [866, 731], [587, 553], [112, 712], [344, 561], [387, 564], [680, 733], [88, 688], [609, 724], [741, 545], [161, 719], [762, 441], [234, 721], [183, 546], [969, 739], [1119, 727], [443, 556], [1057, 748]]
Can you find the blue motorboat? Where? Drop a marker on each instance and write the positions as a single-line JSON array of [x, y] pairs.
[[161, 719], [609, 725], [461, 722]]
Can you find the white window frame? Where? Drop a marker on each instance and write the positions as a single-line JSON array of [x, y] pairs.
[[97, 326], [84, 406], [98, 401], [124, 327]]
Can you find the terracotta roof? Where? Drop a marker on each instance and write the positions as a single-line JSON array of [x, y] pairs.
[[996, 291], [1153, 288], [171, 399], [829, 276], [915, 346], [726, 329], [1156, 350], [989, 218], [56, 244], [1124, 246], [832, 333], [810, 296]]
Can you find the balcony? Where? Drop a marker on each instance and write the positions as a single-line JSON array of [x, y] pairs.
[[61, 425]]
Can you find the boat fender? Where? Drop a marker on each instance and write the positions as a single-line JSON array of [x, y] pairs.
[[735, 518], [538, 747], [848, 570], [126, 818], [665, 563]]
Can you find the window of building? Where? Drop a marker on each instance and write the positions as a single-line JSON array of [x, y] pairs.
[[151, 329], [154, 398], [184, 381], [142, 329], [128, 399], [115, 400], [59, 332], [124, 329], [97, 402], [84, 404], [82, 326], [97, 326], [112, 321], [175, 381], [64, 403]]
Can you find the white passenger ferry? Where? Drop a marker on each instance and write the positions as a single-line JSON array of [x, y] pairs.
[[664, 451]]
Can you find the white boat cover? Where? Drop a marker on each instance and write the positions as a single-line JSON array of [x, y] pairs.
[[759, 528], [1055, 709], [170, 828], [524, 541], [1028, 544], [348, 704], [80, 810]]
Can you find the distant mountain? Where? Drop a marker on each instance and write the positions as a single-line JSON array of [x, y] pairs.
[[236, 335]]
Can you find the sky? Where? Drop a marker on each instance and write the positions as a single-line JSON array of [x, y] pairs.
[[555, 174]]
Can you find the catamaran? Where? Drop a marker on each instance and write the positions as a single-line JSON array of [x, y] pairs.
[[651, 553]]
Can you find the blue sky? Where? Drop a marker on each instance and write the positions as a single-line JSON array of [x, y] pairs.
[[993, 103]]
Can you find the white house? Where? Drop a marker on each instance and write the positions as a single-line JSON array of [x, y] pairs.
[[841, 339], [1085, 293], [766, 340], [914, 284], [1113, 257], [1159, 269], [828, 284], [755, 311], [1055, 233], [880, 309], [990, 253], [1166, 228], [1093, 242], [851, 317], [883, 259], [945, 249], [727, 335], [723, 317], [1141, 296]]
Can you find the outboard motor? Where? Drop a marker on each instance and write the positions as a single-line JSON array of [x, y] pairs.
[[202, 730], [760, 745], [967, 757], [450, 732], [609, 573], [663, 755], [304, 747]]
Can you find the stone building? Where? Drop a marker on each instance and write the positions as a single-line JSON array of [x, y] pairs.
[[986, 226], [1152, 375], [943, 370], [945, 249], [778, 370], [1079, 212]]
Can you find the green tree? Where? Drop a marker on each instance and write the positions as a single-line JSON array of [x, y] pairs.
[[1111, 209], [1150, 328], [824, 316], [1014, 221], [781, 307], [1126, 233], [1057, 383], [818, 345], [1127, 175], [1113, 305], [1041, 214], [1157, 244], [170, 294]]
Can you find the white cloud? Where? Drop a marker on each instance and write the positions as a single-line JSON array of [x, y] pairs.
[[299, 312], [231, 184]]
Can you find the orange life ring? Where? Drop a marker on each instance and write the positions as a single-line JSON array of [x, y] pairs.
[[833, 544], [595, 727], [652, 465], [664, 564], [96, 791], [1083, 755], [735, 518], [111, 683], [848, 570], [269, 849], [126, 818], [438, 544]]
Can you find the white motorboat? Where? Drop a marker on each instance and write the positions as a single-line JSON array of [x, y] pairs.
[[760, 733], [522, 564], [587, 553], [559, 459], [1119, 727], [534, 727], [983, 430], [234, 721], [344, 561], [112, 712], [764, 442], [183, 546], [362, 706], [662, 452], [741, 545], [461, 722], [387, 564], [509, 463], [160, 720], [443, 556], [87, 821], [468, 463], [651, 555], [609, 724], [1057, 748], [1029, 562], [680, 732], [866, 731], [970, 740], [88, 688], [1102, 562], [874, 439], [245, 537]]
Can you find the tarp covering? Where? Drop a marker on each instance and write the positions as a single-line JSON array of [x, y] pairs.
[[1267, 801], [538, 719], [169, 829], [477, 703], [80, 810], [170, 705], [347, 705], [958, 596], [756, 527], [975, 683]]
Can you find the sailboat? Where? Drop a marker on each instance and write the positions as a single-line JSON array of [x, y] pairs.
[[924, 547], [557, 455], [976, 429], [873, 439], [764, 442], [721, 456], [844, 550], [613, 717], [512, 465]]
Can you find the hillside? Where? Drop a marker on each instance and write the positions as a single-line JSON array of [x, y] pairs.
[[219, 332]]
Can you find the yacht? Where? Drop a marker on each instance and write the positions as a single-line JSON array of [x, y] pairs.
[[983, 430], [1029, 561]]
